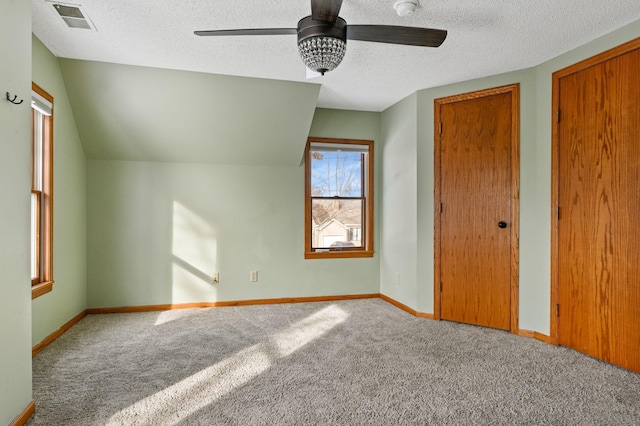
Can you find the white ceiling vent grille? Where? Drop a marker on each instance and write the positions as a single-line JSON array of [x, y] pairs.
[[74, 16]]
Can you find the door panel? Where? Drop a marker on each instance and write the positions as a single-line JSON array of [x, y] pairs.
[[475, 192], [599, 225]]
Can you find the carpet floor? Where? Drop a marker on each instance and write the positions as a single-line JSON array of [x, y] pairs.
[[360, 362]]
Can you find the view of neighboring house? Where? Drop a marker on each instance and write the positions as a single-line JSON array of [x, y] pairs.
[[337, 224], [337, 193]]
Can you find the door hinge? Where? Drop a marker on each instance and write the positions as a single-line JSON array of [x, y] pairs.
[[558, 212], [441, 208], [440, 130], [440, 287], [557, 309], [558, 115]]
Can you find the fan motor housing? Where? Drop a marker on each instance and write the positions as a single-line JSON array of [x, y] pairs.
[[309, 27]]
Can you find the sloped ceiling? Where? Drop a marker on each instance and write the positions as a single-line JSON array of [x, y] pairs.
[[125, 112], [486, 37]]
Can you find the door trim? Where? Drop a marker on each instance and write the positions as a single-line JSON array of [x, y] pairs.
[[514, 90], [555, 169]]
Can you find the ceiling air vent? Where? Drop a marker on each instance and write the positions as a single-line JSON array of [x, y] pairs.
[[73, 16]]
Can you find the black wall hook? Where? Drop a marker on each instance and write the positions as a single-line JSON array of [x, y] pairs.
[[13, 100]]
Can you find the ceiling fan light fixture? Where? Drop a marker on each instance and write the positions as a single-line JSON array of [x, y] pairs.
[[321, 53], [322, 44]]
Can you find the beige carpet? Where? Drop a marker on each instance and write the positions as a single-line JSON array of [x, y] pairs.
[[344, 363]]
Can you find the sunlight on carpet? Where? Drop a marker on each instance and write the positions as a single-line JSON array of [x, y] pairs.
[[195, 392], [167, 316]]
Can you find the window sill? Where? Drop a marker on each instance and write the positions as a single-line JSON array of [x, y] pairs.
[[337, 254], [39, 289]]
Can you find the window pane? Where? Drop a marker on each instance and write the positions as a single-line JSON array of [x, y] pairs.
[[35, 235], [38, 141], [336, 173], [336, 224], [42, 191]]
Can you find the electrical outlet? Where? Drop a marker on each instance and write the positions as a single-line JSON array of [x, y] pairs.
[[253, 276], [397, 277], [215, 278]]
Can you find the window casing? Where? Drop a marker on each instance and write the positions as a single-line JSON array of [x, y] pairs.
[[41, 191], [338, 198]]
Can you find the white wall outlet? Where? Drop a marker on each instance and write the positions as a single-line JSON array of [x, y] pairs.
[[215, 278], [397, 277], [253, 276]]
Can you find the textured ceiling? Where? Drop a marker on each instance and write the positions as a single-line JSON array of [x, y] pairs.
[[486, 37]]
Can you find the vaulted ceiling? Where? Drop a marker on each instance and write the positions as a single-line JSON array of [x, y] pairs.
[[134, 113], [485, 37]]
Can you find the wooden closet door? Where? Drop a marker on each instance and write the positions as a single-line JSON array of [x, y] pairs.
[[599, 210], [475, 219]]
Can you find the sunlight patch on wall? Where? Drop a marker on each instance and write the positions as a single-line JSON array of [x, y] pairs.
[[195, 249], [174, 404], [189, 285]]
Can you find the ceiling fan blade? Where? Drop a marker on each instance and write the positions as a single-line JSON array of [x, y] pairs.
[[393, 34], [252, 31], [325, 10]]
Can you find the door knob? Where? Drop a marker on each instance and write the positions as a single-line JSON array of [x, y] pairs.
[[502, 224]]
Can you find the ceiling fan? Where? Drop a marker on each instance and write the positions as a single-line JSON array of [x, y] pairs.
[[322, 36]]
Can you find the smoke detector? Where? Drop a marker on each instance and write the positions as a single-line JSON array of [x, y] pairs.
[[405, 7]]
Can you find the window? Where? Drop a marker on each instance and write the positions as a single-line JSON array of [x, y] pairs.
[[41, 191], [338, 198]]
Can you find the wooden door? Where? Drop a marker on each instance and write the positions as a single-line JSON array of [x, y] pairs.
[[476, 215], [598, 226]]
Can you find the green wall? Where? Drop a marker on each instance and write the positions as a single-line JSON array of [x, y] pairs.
[[158, 230], [399, 193], [402, 144], [15, 185], [530, 238], [69, 295]]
